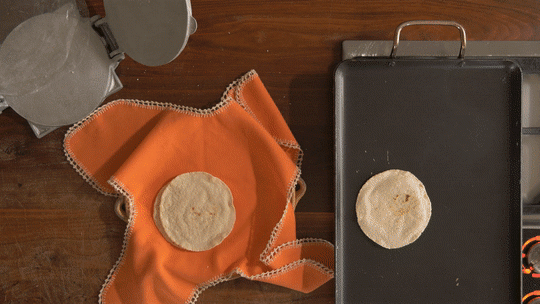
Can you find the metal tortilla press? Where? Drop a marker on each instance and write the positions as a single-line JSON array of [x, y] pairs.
[[57, 65]]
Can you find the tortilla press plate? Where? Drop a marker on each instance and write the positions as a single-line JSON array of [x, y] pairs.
[[57, 66]]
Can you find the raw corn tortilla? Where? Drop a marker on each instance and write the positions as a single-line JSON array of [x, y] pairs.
[[393, 208], [195, 211]]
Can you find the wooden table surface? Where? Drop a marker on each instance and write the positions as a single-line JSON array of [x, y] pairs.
[[59, 237]]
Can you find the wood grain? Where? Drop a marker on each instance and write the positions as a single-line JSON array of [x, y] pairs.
[[59, 237]]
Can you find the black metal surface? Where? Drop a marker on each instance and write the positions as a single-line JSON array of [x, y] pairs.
[[455, 124]]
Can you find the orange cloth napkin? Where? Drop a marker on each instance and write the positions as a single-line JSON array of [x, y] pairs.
[[134, 148]]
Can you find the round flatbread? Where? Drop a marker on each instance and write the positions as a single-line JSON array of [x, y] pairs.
[[393, 208], [195, 211]]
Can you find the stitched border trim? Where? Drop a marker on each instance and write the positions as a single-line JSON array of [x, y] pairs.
[[283, 142], [277, 229], [127, 236], [303, 262], [265, 275], [213, 282], [73, 130], [239, 96], [75, 163], [291, 266], [295, 244], [266, 256], [292, 145]]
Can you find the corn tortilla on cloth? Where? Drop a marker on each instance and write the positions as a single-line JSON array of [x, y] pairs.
[[134, 148]]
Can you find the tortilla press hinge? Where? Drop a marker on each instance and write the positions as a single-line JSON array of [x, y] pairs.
[[101, 27], [3, 104]]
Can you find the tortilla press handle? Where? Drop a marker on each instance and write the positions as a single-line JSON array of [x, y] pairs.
[[430, 22], [192, 25]]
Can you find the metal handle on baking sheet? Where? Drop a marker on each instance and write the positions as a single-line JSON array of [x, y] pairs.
[[430, 22]]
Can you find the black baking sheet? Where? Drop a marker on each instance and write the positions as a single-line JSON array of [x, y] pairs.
[[455, 124]]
